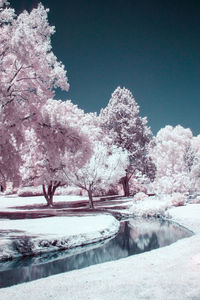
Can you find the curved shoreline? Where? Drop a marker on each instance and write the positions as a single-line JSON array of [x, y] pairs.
[[172, 273], [53, 234]]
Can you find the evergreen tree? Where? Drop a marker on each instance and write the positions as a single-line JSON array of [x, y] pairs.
[[121, 121]]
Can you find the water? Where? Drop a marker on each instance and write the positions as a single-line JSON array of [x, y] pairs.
[[135, 236]]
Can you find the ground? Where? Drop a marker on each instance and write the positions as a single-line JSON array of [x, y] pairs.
[[171, 272], [43, 234]]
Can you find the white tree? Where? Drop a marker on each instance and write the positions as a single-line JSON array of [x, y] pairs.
[[173, 159], [106, 166], [56, 142], [120, 120], [193, 160]]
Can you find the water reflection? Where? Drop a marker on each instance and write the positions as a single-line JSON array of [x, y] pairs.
[[135, 236]]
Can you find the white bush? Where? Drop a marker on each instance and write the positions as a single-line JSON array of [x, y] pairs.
[[174, 199], [178, 199], [140, 197], [29, 191], [150, 208], [70, 190]]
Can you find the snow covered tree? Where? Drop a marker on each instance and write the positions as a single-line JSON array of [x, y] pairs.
[[57, 142], [173, 159], [29, 73], [120, 120], [106, 166]]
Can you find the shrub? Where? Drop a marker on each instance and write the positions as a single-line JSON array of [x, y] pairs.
[[178, 199], [70, 190], [150, 208], [29, 191], [23, 246], [140, 197]]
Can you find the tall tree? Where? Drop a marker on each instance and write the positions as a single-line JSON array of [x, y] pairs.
[[29, 73], [121, 121]]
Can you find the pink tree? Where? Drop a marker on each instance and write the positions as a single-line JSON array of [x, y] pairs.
[[29, 73], [120, 120], [58, 142]]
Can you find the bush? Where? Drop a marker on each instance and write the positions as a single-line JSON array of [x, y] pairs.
[[178, 199], [23, 246], [70, 190], [150, 208], [140, 197], [29, 191]]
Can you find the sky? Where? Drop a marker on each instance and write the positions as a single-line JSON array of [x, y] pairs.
[[149, 47]]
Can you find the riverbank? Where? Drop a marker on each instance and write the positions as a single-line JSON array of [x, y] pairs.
[[172, 273], [41, 235]]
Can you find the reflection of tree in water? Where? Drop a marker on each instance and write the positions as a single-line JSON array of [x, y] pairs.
[[142, 243], [129, 241]]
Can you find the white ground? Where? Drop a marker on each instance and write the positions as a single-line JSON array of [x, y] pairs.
[[171, 273], [9, 203], [60, 226], [67, 232]]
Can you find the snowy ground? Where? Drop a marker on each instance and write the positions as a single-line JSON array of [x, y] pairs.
[[172, 273]]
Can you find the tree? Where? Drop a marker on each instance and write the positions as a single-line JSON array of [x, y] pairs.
[[58, 142], [193, 162], [173, 157], [106, 166], [120, 120], [29, 73]]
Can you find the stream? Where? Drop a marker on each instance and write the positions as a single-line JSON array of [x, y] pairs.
[[136, 235]]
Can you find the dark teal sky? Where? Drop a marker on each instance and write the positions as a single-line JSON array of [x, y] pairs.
[[150, 47]]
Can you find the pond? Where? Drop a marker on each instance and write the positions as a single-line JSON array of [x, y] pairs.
[[135, 236]]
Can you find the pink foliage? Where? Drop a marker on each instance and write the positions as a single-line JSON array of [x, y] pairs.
[[29, 73], [57, 145], [120, 120]]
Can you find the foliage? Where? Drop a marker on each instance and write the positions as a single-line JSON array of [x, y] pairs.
[[120, 120], [150, 208], [106, 166], [24, 246], [29, 73], [178, 199], [193, 160], [140, 197], [172, 156], [54, 146]]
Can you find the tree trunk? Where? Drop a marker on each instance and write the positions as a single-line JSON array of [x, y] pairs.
[[90, 199], [125, 184], [50, 191]]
